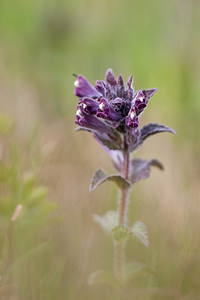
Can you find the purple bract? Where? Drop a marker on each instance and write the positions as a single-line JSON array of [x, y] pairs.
[[111, 111]]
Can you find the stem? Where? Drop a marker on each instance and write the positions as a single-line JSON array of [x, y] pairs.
[[118, 260], [119, 247], [124, 195]]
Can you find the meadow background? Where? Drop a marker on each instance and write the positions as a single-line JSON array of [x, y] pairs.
[[49, 251]]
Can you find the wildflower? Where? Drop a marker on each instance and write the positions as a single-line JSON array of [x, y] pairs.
[[110, 110]]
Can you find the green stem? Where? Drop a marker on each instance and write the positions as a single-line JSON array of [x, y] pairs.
[[119, 247], [118, 260]]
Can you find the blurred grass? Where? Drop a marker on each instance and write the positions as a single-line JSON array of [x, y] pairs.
[[41, 44]]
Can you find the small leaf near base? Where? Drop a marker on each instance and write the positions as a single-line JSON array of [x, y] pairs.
[[140, 231], [108, 221]]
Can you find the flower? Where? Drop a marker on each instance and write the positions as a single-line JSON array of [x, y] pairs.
[[110, 110]]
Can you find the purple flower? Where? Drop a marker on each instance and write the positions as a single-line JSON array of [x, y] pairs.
[[89, 106], [107, 112], [142, 98], [111, 111], [89, 121], [84, 88], [132, 119]]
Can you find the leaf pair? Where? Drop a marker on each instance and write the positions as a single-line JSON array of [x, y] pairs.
[[109, 222], [136, 139], [139, 230], [139, 169]]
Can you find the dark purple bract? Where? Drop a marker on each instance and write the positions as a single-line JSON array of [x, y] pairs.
[[111, 110]]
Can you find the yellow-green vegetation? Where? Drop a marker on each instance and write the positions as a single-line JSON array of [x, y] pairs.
[[49, 242]]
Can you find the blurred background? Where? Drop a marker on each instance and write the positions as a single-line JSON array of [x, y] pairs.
[[51, 246]]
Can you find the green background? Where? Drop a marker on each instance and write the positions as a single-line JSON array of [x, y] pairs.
[[54, 245]]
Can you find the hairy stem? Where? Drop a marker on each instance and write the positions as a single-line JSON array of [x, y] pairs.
[[119, 247], [124, 194]]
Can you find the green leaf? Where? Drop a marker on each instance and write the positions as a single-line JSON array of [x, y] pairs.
[[149, 130], [140, 231], [101, 276], [140, 169], [108, 221], [120, 233], [152, 129], [100, 177], [132, 269]]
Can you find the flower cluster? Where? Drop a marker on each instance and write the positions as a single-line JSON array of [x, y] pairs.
[[111, 110]]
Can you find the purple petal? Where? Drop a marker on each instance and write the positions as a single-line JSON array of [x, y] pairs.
[[141, 99], [100, 87], [132, 119], [110, 77], [120, 80], [130, 81], [106, 111], [130, 88], [149, 93], [89, 106], [121, 87], [91, 122], [84, 88]]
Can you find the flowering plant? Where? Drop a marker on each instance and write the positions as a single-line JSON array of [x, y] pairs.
[[110, 110]]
